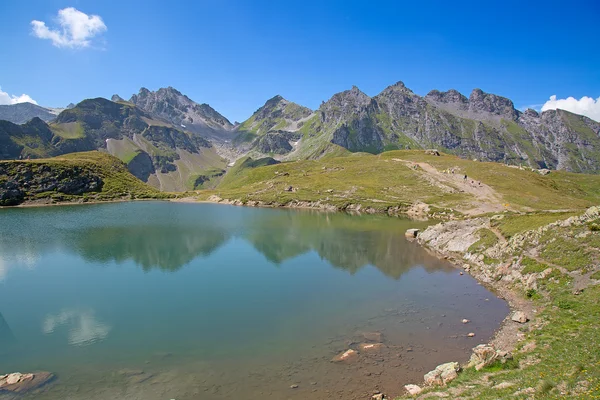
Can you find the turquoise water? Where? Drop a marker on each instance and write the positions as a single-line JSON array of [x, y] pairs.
[[210, 301]]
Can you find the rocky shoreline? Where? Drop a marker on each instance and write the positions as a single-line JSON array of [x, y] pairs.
[[450, 241], [454, 242], [417, 210]]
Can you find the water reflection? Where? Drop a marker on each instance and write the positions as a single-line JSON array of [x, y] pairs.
[[167, 247], [169, 236], [84, 328], [7, 338]]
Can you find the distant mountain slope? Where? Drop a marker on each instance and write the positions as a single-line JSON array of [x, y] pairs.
[[169, 104], [484, 126], [23, 112], [153, 150], [272, 127]]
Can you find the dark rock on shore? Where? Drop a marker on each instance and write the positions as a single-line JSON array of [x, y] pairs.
[[21, 180]]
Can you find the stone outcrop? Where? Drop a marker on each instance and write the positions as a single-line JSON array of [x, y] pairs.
[[21, 180], [483, 356], [442, 374], [413, 390]]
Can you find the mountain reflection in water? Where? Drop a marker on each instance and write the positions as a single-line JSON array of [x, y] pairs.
[[169, 242]]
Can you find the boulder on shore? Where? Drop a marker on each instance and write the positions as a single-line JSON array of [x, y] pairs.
[[483, 355], [413, 390], [520, 317], [442, 374], [411, 233]]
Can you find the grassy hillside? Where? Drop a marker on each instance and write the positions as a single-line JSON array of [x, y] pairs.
[[81, 177], [401, 178]]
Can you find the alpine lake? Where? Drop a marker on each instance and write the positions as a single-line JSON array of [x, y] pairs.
[[163, 300]]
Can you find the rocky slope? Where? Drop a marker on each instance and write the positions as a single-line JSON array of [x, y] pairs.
[[171, 141], [78, 177], [24, 112], [484, 126], [272, 129], [169, 104], [154, 150]]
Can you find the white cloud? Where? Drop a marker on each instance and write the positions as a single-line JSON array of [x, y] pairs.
[[585, 106], [6, 98], [76, 29]]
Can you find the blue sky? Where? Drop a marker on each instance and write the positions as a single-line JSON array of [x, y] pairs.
[[235, 55]]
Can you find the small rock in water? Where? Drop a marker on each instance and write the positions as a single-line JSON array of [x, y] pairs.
[[520, 317], [346, 356], [461, 272], [370, 346], [413, 389], [373, 336], [465, 321], [471, 334], [294, 386]]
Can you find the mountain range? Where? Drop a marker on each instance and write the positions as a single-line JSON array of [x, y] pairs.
[[174, 143]]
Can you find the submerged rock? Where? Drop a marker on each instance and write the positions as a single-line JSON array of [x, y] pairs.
[[373, 336], [22, 383], [346, 356], [370, 347], [442, 374]]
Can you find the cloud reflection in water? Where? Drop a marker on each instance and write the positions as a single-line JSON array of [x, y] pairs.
[[84, 327]]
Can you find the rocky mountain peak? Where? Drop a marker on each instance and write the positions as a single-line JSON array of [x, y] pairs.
[[116, 98], [170, 104], [274, 101], [530, 112], [344, 104], [479, 101], [398, 87], [451, 96]]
